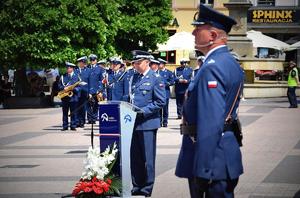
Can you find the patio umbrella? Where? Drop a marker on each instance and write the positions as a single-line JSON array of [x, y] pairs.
[[264, 41], [179, 41], [294, 46]]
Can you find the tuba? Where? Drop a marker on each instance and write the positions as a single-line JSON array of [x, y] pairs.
[[68, 91]]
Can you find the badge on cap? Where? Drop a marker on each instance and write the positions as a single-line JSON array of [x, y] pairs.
[[212, 84]]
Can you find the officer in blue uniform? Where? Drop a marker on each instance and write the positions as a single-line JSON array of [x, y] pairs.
[[102, 63], [147, 91], [69, 103], [83, 73], [154, 64], [182, 76], [211, 157], [96, 88], [168, 78], [115, 84], [128, 75], [200, 60]]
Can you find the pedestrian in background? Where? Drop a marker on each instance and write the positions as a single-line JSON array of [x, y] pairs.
[[182, 76], [69, 103], [83, 73], [168, 78], [96, 88], [115, 84], [200, 60], [293, 82]]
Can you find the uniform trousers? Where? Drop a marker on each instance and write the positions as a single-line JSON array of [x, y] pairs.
[[164, 113], [92, 110], [291, 94], [66, 107], [82, 104], [143, 152], [179, 103], [217, 189]]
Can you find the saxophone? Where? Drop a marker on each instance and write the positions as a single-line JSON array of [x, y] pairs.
[[68, 91]]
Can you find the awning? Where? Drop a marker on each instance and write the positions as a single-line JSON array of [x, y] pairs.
[[179, 41], [294, 46], [264, 41]]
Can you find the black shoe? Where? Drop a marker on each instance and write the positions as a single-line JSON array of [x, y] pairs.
[[73, 129], [136, 192], [145, 194], [165, 125], [64, 129], [179, 117]]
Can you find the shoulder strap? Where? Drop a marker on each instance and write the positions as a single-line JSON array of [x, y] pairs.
[[233, 104]]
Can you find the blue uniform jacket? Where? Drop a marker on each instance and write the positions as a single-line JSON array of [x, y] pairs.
[[95, 81], [215, 155], [127, 77], [65, 81], [84, 75], [116, 89], [168, 78], [181, 72], [148, 93]]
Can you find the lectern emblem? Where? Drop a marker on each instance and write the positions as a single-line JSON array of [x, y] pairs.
[[127, 118], [104, 117]]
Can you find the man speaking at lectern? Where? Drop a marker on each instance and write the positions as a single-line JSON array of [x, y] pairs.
[[147, 91]]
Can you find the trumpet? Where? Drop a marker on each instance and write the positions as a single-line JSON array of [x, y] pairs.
[[68, 91]]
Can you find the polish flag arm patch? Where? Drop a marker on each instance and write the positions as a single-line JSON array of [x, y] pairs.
[[212, 84]]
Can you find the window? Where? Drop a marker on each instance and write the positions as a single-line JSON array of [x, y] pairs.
[[266, 2], [169, 56]]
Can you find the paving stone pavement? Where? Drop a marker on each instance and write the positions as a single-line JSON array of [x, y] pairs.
[[37, 160]]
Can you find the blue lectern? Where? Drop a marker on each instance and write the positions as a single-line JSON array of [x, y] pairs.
[[116, 122]]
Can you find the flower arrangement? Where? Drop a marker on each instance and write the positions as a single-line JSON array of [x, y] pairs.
[[97, 179]]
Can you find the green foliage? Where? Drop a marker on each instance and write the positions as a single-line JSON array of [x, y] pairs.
[[144, 21], [48, 32]]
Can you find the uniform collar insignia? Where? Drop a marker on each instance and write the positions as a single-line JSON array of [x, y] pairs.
[[211, 61]]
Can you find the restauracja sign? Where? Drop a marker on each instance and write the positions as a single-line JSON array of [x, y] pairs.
[[273, 16]]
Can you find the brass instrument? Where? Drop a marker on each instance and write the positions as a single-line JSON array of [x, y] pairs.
[[68, 91], [99, 97]]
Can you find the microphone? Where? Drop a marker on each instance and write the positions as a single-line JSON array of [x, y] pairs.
[[205, 45]]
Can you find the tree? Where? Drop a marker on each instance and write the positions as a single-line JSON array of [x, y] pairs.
[[143, 23], [49, 32]]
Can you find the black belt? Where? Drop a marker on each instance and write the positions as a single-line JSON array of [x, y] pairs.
[[228, 127], [192, 129]]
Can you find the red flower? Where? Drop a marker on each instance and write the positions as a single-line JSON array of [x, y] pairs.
[[97, 190], [108, 181], [87, 189]]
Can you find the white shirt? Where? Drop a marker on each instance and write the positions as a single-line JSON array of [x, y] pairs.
[[145, 73]]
